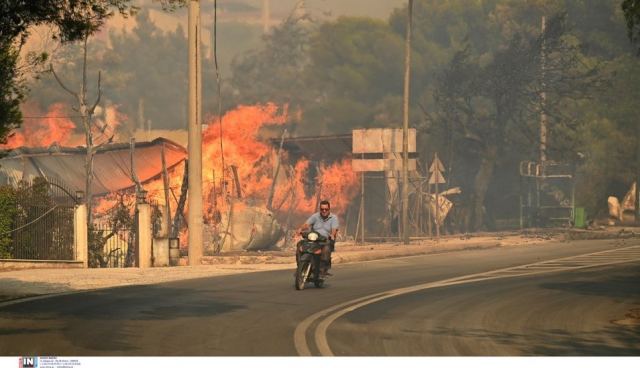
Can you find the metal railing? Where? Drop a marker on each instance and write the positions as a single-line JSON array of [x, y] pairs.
[[113, 246], [42, 221], [112, 236]]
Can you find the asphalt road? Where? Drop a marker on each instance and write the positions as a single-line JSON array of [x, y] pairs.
[[446, 304]]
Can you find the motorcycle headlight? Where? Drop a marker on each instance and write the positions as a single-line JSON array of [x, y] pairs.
[[312, 236]]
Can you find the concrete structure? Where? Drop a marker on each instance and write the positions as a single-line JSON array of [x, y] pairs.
[[144, 235], [194, 214], [80, 234], [160, 252], [161, 241], [250, 228]]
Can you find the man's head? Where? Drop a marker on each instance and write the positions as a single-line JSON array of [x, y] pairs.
[[325, 208]]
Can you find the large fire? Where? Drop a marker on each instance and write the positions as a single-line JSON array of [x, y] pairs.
[[254, 165], [248, 160], [42, 129]]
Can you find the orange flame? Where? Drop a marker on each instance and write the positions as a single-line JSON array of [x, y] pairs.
[[54, 126], [253, 160], [44, 129], [241, 149], [255, 166]]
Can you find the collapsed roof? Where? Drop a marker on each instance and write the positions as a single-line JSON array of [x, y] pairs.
[[111, 165]]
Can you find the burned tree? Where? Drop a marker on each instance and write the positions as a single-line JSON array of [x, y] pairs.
[[90, 126]]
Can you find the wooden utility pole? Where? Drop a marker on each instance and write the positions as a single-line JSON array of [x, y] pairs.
[[405, 128], [361, 218], [429, 226], [543, 99], [275, 174], [132, 158], [437, 211], [266, 15], [166, 184], [638, 174], [194, 216], [179, 217]]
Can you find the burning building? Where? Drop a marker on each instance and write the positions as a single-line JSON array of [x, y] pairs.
[[252, 191], [112, 165]]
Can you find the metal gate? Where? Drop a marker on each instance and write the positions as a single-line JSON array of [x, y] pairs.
[[547, 194], [112, 237], [42, 227]]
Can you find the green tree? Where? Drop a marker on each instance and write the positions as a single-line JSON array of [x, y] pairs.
[[149, 69], [356, 68], [11, 91], [145, 75], [493, 103], [274, 71], [71, 19], [631, 9], [7, 214]]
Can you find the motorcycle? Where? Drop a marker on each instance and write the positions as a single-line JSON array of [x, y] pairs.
[[308, 261]]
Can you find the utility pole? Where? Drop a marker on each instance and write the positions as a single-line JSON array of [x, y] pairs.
[[637, 174], [405, 129], [265, 16], [194, 216], [543, 100], [361, 213]]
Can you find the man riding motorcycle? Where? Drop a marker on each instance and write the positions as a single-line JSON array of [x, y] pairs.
[[325, 224]]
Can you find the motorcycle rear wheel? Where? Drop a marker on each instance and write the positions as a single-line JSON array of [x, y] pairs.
[[301, 275]]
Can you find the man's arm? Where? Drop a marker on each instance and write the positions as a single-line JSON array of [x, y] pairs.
[[306, 225], [334, 233], [334, 228], [303, 228]]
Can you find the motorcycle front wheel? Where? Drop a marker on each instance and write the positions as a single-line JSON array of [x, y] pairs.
[[301, 275]]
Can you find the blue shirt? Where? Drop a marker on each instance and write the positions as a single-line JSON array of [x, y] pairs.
[[323, 226]]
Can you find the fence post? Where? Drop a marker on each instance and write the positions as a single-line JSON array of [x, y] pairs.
[[144, 234], [161, 240], [80, 234]]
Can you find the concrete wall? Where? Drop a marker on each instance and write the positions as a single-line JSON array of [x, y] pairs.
[[19, 264]]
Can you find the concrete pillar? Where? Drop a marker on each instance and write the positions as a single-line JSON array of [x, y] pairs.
[[144, 235], [165, 223], [80, 234], [160, 252], [194, 214], [161, 240]]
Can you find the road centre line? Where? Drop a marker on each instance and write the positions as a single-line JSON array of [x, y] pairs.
[[329, 315]]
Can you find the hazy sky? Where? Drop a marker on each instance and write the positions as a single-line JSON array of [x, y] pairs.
[[250, 11]]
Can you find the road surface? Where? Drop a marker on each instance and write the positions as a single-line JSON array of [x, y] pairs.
[[565, 298]]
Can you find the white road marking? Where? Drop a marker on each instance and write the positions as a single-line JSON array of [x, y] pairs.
[[329, 315]]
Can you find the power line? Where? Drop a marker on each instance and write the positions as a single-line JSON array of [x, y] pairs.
[[51, 117]]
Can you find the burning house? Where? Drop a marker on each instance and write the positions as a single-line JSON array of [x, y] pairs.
[[112, 165], [252, 192]]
